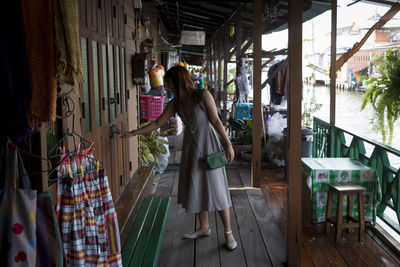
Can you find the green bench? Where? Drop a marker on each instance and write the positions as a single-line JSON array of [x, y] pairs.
[[143, 245]]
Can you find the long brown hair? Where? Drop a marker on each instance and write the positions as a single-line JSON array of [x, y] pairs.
[[182, 83]]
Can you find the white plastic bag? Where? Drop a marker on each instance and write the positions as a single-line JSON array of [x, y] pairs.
[[276, 125], [275, 148], [176, 124], [163, 158]]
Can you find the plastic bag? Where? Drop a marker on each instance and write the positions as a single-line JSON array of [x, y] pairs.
[[276, 125], [156, 76], [275, 148], [163, 158], [146, 86], [176, 124]]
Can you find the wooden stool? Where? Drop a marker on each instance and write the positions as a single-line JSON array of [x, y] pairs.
[[347, 221]]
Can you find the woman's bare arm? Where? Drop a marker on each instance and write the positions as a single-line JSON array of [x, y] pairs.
[[160, 121], [217, 124]]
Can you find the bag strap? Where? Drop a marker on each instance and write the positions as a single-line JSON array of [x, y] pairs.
[[15, 168], [204, 109]]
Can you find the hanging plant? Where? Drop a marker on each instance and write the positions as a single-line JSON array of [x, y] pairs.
[[150, 146], [384, 94]]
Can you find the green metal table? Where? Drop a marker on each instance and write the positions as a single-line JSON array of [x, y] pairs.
[[319, 172]]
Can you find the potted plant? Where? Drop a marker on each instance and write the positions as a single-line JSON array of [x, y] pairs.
[[384, 94], [244, 136]]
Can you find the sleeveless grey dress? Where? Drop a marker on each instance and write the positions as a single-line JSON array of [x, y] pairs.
[[199, 188]]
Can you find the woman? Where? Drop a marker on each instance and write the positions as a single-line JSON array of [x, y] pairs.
[[200, 190]]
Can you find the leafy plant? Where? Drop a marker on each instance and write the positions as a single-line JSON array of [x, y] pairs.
[[309, 108], [245, 136], [384, 94], [150, 146]]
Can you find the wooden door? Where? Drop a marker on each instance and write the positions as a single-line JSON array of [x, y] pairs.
[[103, 94], [119, 117]]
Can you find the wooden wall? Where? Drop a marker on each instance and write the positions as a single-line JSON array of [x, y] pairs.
[[111, 32]]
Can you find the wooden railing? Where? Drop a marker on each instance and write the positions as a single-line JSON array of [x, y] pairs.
[[330, 141]]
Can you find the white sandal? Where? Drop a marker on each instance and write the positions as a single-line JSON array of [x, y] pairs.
[[232, 244], [194, 235]]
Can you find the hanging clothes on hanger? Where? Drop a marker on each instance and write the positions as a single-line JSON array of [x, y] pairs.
[[84, 205], [278, 80]]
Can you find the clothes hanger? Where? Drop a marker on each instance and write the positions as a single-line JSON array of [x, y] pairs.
[[98, 164], [86, 143]]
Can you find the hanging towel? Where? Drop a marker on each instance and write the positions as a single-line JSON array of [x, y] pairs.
[[67, 44], [15, 80], [38, 26]]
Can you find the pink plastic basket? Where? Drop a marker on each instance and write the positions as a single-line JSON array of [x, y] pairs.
[[152, 106]]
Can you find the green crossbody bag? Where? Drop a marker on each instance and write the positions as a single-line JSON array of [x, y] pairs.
[[215, 160]]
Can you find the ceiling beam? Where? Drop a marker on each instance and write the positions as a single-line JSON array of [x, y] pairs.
[[201, 9]]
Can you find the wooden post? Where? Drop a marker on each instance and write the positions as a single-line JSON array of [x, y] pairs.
[[294, 130], [257, 117], [215, 58], [226, 59], [208, 58], [333, 64], [332, 104], [219, 56], [238, 36]]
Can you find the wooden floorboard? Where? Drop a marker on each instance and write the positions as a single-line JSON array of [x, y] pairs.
[[327, 248], [379, 252], [165, 182], [176, 184], [182, 251], [313, 250], [273, 238], [245, 176], [251, 223], [348, 254], [250, 236], [230, 258], [207, 248], [234, 180], [305, 260], [362, 251], [260, 241], [276, 209]]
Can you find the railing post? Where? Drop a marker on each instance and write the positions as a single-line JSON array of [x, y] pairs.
[[332, 141]]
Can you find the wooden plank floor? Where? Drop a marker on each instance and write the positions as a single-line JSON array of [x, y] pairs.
[[260, 242], [318, 248]]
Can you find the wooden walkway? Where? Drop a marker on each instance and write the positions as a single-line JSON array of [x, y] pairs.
[[318, 248], [260, 242]]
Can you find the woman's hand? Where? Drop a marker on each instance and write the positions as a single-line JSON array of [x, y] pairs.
[[126, 134], [230, 154]]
